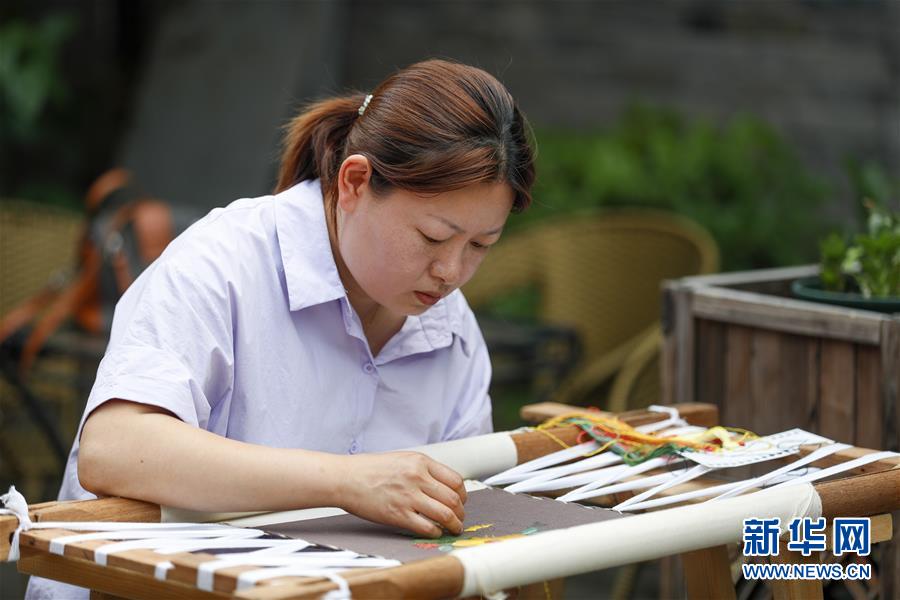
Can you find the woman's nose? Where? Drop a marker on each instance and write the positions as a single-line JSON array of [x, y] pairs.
[[447, 268]]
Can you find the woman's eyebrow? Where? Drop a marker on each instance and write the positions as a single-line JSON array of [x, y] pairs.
[[459, 229]]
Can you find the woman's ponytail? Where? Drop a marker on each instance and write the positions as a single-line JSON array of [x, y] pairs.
[[315, 139]]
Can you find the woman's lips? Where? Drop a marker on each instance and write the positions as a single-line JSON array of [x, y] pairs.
[[427, 299]]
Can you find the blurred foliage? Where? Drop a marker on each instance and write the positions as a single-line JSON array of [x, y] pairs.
[[740, 181], [36, 116], [30, 78], [870, 181], [869, 263]]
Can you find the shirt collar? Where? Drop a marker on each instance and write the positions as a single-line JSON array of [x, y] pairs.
[[309, 268], [312, 277]]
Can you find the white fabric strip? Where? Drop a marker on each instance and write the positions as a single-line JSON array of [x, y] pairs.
[[683, 497], [473, 485], [673, 420], [738, 487], [337, 559], [206, 571], [161, 569], [523, 471], [569, 481], [538, 480], [637, 483], [565, 552], [703, 493], [519, 472], [58, 544], [230, 543], [163, 542], [302, 560], [763, 449], [16, 505], [593, 465], [169, 514], [840, 468], [335, 562], [250, 578], [285, 516], [619, 473], [758, 482], [126, 526], [688, 475]]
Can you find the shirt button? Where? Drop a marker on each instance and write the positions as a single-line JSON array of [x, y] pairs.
[[354, 448], [369, 368]]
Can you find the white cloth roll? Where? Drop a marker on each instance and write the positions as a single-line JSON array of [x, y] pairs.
[[475, 457], [565, 552]]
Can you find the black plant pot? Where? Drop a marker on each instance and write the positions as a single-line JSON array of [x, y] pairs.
[[810, 288]]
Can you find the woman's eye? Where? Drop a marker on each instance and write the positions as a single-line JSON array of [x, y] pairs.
[[478, 246], [430, 240]]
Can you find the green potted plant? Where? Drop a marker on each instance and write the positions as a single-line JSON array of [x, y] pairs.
[[863, 272]]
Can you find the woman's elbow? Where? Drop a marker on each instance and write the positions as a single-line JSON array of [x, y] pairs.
[[104, 446], [115, 438], [93, 453]]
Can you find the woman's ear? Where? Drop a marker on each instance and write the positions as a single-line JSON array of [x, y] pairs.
[[353, 181]]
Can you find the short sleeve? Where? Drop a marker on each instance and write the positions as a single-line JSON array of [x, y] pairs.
[[172, 341], [472, 415]]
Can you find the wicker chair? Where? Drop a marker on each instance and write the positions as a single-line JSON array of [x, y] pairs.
[[36, 243], [600, 273], [37, 248]]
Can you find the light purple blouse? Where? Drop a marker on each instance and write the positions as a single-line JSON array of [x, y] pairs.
[[242, 327]]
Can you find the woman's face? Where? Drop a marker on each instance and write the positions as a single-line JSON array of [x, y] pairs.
[[405, 251]]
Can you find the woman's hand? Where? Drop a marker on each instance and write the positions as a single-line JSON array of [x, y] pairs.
[[404, 489]]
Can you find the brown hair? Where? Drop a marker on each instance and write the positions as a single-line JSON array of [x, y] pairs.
[[432, 127]]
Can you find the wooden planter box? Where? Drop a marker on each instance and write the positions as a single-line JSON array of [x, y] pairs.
[[771, 362]]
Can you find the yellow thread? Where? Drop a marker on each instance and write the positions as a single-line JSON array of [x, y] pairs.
[[552, 437], [599, 449], [479, 541], [561, 419], [618, 429], [477, 527]]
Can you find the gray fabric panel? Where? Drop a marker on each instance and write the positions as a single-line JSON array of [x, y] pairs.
[[507, 513]]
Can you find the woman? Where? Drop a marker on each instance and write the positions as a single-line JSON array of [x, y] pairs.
[[282, 347]]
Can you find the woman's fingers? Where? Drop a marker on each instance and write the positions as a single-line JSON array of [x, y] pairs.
[[419, 525], [446, 496], [438, 512], [406, 489], [449, 478]]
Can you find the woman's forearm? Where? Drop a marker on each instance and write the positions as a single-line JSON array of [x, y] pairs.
[[139, 451], [136, 451]]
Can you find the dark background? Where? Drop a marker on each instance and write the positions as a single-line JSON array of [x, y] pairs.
[[191, 94]]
